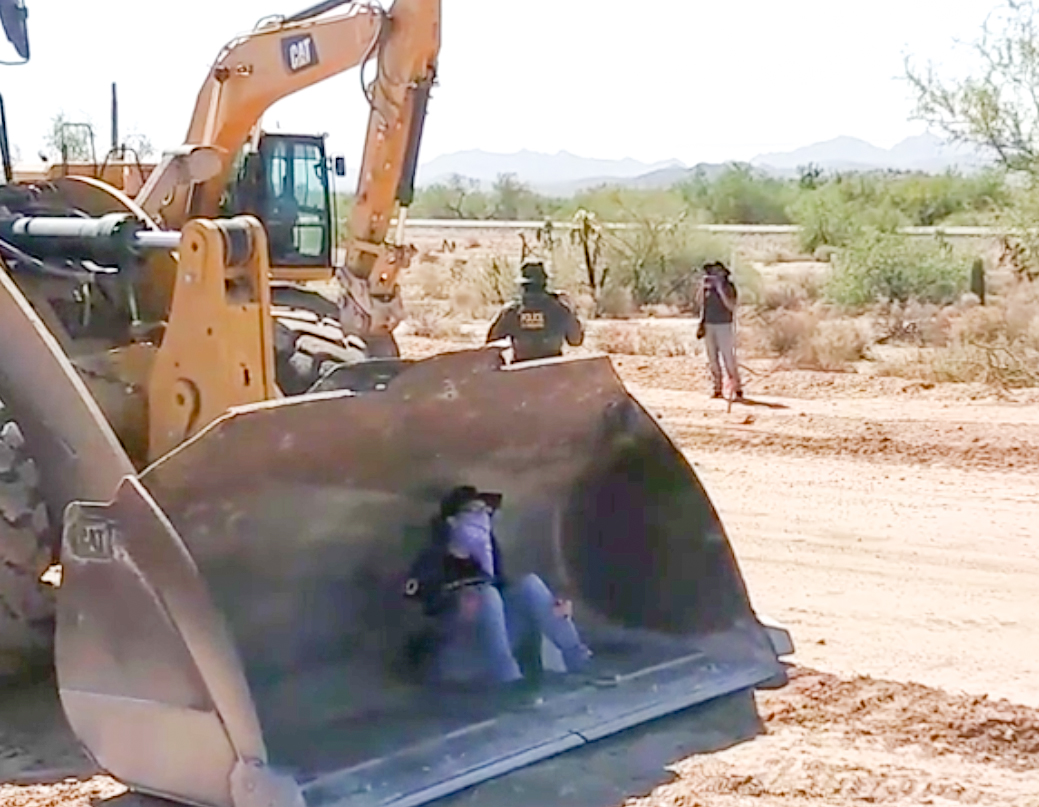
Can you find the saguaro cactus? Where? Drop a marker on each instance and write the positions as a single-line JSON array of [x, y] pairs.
[[977, 279]]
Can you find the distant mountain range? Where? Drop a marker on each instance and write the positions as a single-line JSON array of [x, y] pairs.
[[565, 173], [926, 153], [542, 171]]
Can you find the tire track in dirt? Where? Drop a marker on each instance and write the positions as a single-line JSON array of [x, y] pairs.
[[852, 741]]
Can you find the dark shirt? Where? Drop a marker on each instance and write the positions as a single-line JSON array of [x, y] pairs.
[[715, 312], [538, 325], [434, 574]]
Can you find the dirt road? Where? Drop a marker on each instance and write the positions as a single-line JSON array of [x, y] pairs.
[[896, 534], [854, 742], [894, 527]]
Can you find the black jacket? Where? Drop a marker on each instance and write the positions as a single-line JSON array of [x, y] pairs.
[[436, 575], [538, 325]]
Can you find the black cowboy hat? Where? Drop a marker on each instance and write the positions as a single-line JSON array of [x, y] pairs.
[[462, 495], [533, 274]]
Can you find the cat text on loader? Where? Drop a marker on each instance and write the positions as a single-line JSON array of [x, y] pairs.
[[230, 628]]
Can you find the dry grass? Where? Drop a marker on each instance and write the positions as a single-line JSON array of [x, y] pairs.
[[791, 293], [996, 344], [635, 339], [432, 322], [807, 339], [616, 302]]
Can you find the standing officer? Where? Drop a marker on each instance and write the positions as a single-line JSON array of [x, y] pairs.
[[540, 322]]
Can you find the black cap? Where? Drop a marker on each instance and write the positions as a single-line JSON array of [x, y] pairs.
[[460, 496], [533, 274]]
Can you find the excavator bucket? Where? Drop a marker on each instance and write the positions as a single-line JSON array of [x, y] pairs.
[[232, 628]]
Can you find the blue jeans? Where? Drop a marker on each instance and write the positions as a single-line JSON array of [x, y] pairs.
[[481, 634]]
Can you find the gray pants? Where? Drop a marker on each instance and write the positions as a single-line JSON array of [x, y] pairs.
[[720, 340], [483, 632]]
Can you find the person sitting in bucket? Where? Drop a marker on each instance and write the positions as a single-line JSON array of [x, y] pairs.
[[484, 619]]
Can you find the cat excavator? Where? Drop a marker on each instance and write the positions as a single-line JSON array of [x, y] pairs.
[[228, 165], [229, 628]]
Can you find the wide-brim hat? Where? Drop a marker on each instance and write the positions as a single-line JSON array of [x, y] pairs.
[[462, 495], [533, 274]]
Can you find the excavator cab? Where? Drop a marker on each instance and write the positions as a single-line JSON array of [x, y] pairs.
[[284, 182]]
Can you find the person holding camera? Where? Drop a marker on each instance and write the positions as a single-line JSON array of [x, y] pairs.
[[718, 299]]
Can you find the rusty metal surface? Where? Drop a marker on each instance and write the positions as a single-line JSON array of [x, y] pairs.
[[302, 516], [148, 676]]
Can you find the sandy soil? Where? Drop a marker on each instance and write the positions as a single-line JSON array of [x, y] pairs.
[[893, 527], [860, 741]]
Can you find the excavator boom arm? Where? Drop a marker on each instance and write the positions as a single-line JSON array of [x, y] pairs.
[[252, 73], [260, 68]]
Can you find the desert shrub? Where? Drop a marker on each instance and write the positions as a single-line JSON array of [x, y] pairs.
[[786, 331], [432, 322], [835, 344], [613, 203], [836, 214], [740, 194], [996, 344], [878, 266], [433, 280], [488, 281], [1020, 248], [921, 324], [633, 339], [1001, 365], [808, 340], [459, 197], [467, 301], [833, 212], [659, 262], [927, 200], [616, 301], [496, 280], [791, 293]]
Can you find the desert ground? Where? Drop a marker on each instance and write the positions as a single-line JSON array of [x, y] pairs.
[[891, 524]]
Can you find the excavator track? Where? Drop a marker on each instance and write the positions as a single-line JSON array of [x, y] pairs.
[[26, 605]]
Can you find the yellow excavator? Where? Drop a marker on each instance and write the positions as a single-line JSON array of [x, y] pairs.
[[230, 629], [228, 165]]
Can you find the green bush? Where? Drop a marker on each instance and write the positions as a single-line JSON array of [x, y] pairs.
[[611, 203], [877, 266], [835, 213], [928, 201], [461, 198], [740, 195], [659, 262]]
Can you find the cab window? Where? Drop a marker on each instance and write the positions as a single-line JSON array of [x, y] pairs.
[[297, 202]]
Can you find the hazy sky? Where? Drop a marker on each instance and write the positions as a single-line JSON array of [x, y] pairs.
[[659, 79]]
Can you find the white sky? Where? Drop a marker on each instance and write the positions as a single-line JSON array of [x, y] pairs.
[[697, 80]]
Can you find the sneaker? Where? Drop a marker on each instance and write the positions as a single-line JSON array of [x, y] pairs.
[[717, 394], [577, 658], [738, 396]]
